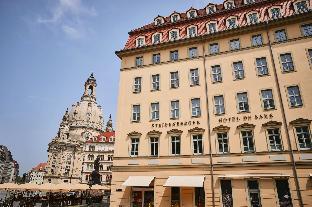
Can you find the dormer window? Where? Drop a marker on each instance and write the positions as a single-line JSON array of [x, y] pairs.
[[174, 35], [156, 38], [192, 14], [140, 41], [249, 1], [212, 27], [175, 17], [211, 9], [275, 13], [229, 5], [192, 31], [231, 23], [159, 20], [301, 6], [253, 18]]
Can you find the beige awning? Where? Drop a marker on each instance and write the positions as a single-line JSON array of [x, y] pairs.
[[185, 181], [141, 181], [242, 176]]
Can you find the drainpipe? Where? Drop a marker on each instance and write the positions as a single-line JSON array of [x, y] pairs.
[[208, 129], [294, 168]]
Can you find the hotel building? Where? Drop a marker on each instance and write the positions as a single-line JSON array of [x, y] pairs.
[[215, 108]]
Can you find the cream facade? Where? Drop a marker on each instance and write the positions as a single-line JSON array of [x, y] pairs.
[[219, 119]]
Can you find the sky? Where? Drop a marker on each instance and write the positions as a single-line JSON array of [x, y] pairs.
[[48, 48]]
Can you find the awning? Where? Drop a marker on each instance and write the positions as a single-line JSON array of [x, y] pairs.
[[242, 176], [142, 181], [185, 181], [310, 174]]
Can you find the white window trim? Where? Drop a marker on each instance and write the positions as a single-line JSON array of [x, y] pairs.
[[199, 106], [137, 41], [268, 138], [275, 7], [248, 18], [188, 13], [296, 135], [188, 33], [190, 77], [192, 143], [161, 19], [150, 146], [225, 4], [134, 85], [171, 17], [151, 111], [130, 146], [132, 111], [170, 143], [178, 34], [227, 23], [295, 6], [152, 88], [179, 109], [177, 79], [207, 27], [242, 141], [160, 37], [211, 6], [217, 141]]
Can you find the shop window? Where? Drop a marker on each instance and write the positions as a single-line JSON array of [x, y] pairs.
[[283, 192], [136, 198], [262, 67], [226, 190], [199, 197], [137, 84], [175, 196], [216, 74], [174, 55], [174, 79], [254, 193]]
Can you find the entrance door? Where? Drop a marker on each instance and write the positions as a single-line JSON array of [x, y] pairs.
[[148, 199], [136, 199], [187, 197]]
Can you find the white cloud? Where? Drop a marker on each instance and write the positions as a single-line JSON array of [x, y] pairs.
[[72, 32]]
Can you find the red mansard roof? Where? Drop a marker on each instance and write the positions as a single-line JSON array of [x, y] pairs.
[[240, 11], [40, 167], [106, 135]]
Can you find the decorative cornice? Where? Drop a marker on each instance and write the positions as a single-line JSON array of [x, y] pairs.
[[246, 125], [196, 130], [272, 124], [174, 131], [300, 121], [134, 134], [221, 128], [154, 133]]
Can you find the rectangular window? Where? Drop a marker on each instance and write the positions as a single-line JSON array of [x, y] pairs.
[[254, 193], [174, 79], [214, 48], [199, 196], [193, 52], [192, 32], [155, 82], [175, 145], [139, 61], [174, 55], [134, 147], [156, 39], [283, 192], [226, 190], [267, 99], [247, 138], [253, 18], [280, 35], [304, 137], [242, 102], [197, 144], [216, 74], [306, 30], [231, 23], [212, 28], [274, 139], [256, 40], [156, 58], [238, 70], [275, 13], [235, 44], [174, 35], [302, 6], [219, 105], [137, 85], [175, 109], [136, 113], [154, 146], [287, 62], [262, 67], [175, 196], [223, 142], [195, 107], [294, 96], [194, 76], [155, 111]]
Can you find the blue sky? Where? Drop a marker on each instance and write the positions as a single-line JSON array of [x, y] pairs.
[[48, 48]]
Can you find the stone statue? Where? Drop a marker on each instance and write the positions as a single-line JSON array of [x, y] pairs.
[[95, 175]]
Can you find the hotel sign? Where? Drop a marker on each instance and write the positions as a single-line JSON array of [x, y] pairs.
[[245, 118], [176, 124]]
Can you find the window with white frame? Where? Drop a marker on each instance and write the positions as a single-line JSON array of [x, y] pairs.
[[139, 61], [134, 151], [275, 13], [154, 146], [294, 96], [310, 55], [194, 77], [137, 84], [211, 9], [235, 44], [155, 82], [256, 40], [191, 14], [174, 34], [192, 52], [242, 102], [304, 137], [197, 144], [175, 109], [175, 17], [249, 1], [213, 48], [247, 139], [301, 7], [306, 30], [223, 142], [262, 67], [231, 23], [267, 99], [212, 27], [192, 31], [253, 18], [174, 55], [254, 193], [195, 102], [156, 38], [156, 58], [216, 74], [159, 20], [155, 111], [287, 62], [238, 70], [136, 113], [175, 145], [219, 105], [280, 35], [174, 79], [229, 5], [140, 41], [274, 139]]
